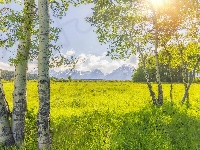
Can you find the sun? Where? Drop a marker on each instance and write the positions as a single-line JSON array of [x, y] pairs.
[[157, 2]]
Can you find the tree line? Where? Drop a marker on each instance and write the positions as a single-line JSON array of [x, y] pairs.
[[9, 75], [167, 74]]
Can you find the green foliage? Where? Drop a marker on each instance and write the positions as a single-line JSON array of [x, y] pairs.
[[69, 78], [31, 129], [54, 79], [139, 75], [170, 61], [11, 27], [197, 80], [114, 115], [171, 55], [132, 26]]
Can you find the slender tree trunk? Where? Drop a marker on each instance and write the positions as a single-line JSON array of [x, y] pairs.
[[170, 74], [187, 74], [190, 82], [183, 67], [147, 80], [43, 77], [6, 137], [19, 93], [171, 83], [160, 91]]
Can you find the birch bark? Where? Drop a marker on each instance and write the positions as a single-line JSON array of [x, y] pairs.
[[43, 77], [152, 94], [160, 91], [6, 138], [192, 74], [19, 93]]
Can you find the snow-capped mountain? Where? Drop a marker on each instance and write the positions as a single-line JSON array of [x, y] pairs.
[[122, 73]]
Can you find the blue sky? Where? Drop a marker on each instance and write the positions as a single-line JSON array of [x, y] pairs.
[[77, 38], [77, 34]]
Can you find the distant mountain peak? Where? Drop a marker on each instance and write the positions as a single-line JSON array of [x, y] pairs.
[[122, 73]]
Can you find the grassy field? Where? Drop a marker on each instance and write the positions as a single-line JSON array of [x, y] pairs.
[[114, 115]]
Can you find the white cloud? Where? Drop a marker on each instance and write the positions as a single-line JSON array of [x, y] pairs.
[[105, 64], [32, 67], [6, 66], [70, 52]]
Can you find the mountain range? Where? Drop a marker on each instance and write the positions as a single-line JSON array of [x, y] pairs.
[[122, 73]]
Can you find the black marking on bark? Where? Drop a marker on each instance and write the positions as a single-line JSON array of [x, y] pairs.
[[43, 81]]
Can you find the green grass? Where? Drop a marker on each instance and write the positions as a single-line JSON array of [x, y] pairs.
[[114, 115]]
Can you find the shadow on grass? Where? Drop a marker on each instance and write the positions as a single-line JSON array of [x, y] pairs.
[[149, 129], [158, 128]]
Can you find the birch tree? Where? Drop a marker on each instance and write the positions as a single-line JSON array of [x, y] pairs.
[[152, 93], [20, 77], [187, 43], [156, 44], [123, 24], [6, 137], [43, 76]]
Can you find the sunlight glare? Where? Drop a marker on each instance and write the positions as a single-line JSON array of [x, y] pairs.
[[157, 2]]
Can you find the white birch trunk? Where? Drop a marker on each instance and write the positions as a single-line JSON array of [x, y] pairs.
[[192, 74], [171, 83], [152, 94], [160, 91], [170, 74], [6, 138], [183, 67], [19, 93], [43, 77]]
